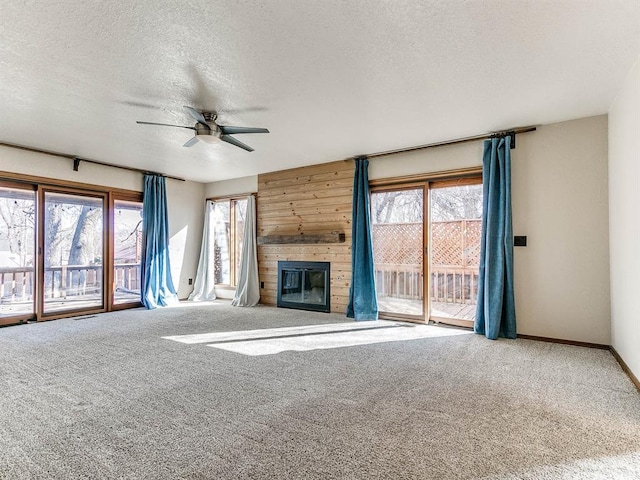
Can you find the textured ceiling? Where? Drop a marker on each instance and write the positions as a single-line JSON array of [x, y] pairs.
[[330, 79]]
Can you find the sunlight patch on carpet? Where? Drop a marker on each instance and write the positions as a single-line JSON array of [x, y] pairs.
[[190, 304], [265, 333], [620, 467], [270, 341], [302, 343]]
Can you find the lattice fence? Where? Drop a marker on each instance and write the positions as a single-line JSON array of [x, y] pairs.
[[397, 243], [455, 250], [456, 243], [453, 244]]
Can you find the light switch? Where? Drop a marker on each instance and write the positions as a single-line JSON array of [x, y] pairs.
[[520, 241]]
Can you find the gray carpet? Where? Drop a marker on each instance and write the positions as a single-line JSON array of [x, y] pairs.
[[109, 397]]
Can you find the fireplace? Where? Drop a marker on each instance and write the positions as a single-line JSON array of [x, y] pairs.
[[304, 285]]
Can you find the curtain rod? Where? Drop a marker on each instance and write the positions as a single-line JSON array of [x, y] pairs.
[[77, 160], [450, 142], [237, 196]]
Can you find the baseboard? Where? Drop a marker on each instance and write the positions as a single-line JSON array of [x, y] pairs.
[[575, 343], [600, 346], [625, 367]]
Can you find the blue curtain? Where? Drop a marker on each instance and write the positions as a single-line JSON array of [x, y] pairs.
[[363, 304], [157, 287], [496, 312]]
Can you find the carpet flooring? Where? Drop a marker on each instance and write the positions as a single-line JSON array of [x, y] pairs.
[[209, 391]]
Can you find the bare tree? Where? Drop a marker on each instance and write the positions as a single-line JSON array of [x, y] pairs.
[[81, 250], [456, 203], [447, 203], [52, 239], [17, 230], [399, 206]]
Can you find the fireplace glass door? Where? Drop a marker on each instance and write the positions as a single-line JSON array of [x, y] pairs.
[[304, 285]]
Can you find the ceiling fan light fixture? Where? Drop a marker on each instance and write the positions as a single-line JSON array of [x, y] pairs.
[[207, 133], [208, 138], [207, 130]]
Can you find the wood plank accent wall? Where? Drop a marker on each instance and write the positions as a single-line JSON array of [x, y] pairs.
[[307, 200]]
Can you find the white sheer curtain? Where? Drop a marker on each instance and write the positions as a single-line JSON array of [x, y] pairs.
[[205, 277], [248, 284]]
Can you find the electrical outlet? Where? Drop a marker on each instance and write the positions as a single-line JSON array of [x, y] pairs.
[[191, 281], [261, 284]]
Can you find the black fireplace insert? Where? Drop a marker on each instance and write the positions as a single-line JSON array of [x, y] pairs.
[[304, 285]]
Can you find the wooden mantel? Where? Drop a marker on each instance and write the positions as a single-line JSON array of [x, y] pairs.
[[309, 238]]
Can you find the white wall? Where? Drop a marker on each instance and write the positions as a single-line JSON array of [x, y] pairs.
[[185, 202], [29, 163], [560, 202], [559, 183], [438, 159], [231, 187], [624, 219]]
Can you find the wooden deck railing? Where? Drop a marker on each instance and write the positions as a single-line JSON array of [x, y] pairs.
[[454, 285], [72, 280], [16, 284], [127, 276], [62, 281], [455, 253], [448, 284], [399, 281]]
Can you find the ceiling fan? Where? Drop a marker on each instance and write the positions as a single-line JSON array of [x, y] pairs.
[[207, 130]]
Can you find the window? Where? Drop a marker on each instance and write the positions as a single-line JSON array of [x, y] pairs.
[[228, 228]]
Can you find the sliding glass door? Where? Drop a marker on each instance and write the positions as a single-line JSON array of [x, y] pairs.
[[426, 243], [67, 250], [455, 232], [127, 251], [397, 218], [73, 252], [17, 248]]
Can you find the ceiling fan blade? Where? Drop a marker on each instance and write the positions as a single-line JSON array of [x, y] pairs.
[[191, 142], [228, 130], [237, 143], [197, 116], [164, 125]]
